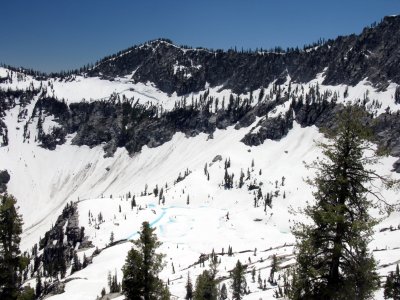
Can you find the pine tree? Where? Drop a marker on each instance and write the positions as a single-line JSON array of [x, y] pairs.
[[189, 288], [10, 259], [392, 285], [333, 261], [27, 293], [39, 287], [223, 294], [142, 267], [114, 286], [206, 287], [397, 95], [274, 268], [133, 202], [241, 179], [85, 261], [112, 237], [76, 263], [206, 283], [239, 283]]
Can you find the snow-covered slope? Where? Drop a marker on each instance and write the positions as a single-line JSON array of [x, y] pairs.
[[199, 214]]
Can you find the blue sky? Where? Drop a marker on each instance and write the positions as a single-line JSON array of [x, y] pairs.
[[51, 35]]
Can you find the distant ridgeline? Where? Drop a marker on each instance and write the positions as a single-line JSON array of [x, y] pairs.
[[278, 79]]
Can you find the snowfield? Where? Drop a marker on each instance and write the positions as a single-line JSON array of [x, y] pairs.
[[199, 215]]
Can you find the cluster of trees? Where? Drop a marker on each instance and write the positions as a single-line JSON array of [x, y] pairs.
[[143, 265], [228, 178]]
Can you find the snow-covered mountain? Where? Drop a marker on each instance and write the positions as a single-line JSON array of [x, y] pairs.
[[164, 117]]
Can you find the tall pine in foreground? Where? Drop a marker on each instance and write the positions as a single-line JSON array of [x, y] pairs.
[[142, 267], [333, 261], [11, 263]]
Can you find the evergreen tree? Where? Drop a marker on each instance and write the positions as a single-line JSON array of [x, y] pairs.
[[189, 289], [239, 283], [142, 267], [112, 237], [11, 263], [333, 261], [133, 202], [274, 268], [206, 283], [27, 293], [39, 287], [76, 263], [85, 261], [397, 95], [223, 294], [114, 286], [392, 285], [206, 287]]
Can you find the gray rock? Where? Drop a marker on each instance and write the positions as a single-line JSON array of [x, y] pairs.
[[217, 158], [396, 166]]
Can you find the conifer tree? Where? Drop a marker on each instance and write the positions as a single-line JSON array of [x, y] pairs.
[[206, 283], [206, 288], [76, 263], [274, 268], [112, 237], [392, 285], [189, 288], [11, 262], [39, 287], [142, 267], [223, 294], [27, 293], [239, 283], [333, 261]]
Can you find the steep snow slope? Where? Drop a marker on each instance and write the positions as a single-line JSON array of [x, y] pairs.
[[44, 181], [189, 230]]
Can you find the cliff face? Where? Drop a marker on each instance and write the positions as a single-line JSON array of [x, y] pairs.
[[373, 54]]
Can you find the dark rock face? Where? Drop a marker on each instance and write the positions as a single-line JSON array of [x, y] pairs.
[[4, 179], [386, 128], [121, 124], [373, 54], [58, 245], [269, 128]]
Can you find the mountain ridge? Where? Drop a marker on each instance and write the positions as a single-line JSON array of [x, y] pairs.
[[372, 54], [345, 60]]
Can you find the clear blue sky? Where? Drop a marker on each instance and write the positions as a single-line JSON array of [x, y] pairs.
[[51, 35]]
